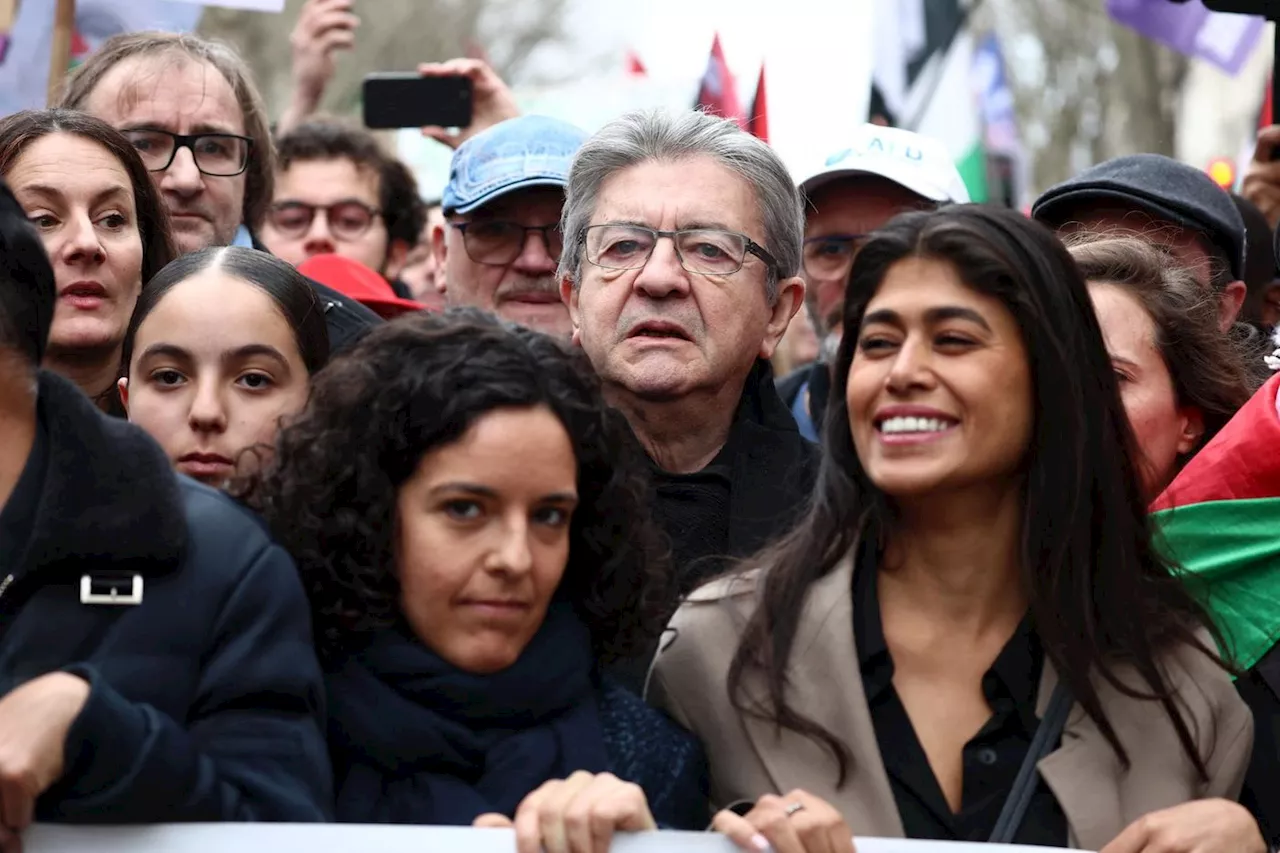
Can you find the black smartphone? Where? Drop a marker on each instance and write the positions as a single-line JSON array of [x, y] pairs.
[[395, 99]]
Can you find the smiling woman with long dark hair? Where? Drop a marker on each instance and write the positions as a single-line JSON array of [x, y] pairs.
[[974, 590]]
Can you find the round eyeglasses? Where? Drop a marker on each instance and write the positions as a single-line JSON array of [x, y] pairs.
[[347, 220]]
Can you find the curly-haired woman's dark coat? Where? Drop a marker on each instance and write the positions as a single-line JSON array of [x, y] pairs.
[[646, 747], [416, 740], [643, 746]]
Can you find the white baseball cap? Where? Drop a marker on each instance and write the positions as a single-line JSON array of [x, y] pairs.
[[921, 164]]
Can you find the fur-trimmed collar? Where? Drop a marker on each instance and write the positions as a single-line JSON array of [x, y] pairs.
[[109, 499]]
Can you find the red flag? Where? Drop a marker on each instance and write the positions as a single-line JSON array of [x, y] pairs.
[[758, 120], [634, 66], [1265, 119], [718, 93]]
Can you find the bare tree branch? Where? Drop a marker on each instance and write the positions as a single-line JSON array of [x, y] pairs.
[[1085, 88]]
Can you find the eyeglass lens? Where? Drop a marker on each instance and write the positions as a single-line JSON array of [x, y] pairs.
[[502, 242], [347, 220], [626, 247]]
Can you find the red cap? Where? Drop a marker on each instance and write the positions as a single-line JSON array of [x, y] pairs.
[[354, 279]]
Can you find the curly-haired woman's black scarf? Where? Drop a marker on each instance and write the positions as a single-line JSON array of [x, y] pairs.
[[417, 740]]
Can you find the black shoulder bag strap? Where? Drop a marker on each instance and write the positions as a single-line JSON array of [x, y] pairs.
[[1269, 669], [1048, 733]]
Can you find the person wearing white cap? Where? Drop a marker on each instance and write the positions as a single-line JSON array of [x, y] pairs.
[[856, 190]]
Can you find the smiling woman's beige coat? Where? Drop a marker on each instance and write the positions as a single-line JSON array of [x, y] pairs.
[[750, 757]]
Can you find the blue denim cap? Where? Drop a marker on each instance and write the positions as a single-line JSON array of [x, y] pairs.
[[528, 151]]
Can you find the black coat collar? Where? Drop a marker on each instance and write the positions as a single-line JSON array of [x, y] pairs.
[[110, 499], [774, 467]]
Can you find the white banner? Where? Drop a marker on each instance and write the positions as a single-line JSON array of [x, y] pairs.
[[255, 5], [343, 838]]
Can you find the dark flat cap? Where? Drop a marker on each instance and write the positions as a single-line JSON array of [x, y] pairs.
[[1159, 186]]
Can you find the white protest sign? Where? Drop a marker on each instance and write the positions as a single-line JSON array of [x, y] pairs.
[[255, 5], [343, 838]]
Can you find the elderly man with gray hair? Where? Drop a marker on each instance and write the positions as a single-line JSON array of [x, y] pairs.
[[682, 251]]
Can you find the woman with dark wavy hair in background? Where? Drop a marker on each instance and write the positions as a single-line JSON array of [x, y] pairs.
[[969, 636], [469, 519], [1180, 378]]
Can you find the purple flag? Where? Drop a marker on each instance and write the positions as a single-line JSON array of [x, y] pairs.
[[1223, 39]]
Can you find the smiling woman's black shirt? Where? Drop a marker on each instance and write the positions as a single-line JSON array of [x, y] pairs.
[[991, 758]]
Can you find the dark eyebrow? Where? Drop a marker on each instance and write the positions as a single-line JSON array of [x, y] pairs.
[[198, 130], [468, 488], [704, 225], [170, 350], [247, 351], [108, 192], [49, 191], [696, 225], [1119, 359], [40, 189], [486, 492], [631, 223], [837, 236], [284, 202], [933, 315], [213, 128], [250, 350]]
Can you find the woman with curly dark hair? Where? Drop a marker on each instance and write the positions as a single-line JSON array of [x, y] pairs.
[[468, 518]]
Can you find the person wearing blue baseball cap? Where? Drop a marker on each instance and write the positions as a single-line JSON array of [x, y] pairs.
[[501, 244], [857, 189]]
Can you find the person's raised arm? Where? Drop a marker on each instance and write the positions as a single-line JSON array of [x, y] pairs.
[[1262, 177], [492, 100], [323, 28]]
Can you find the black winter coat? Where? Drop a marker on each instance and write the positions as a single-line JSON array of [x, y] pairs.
[[206, 696]]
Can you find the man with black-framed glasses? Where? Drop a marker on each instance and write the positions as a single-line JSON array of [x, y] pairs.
[[192, 111], [501, 241], [881, 173]]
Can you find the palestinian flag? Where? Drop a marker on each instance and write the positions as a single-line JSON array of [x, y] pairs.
[[922, 76], [1220, 520]]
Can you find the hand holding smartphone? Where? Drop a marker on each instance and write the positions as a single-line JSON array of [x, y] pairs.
[[394, 100]]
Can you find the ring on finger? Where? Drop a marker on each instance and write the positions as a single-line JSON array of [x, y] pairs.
[[792, 809]]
